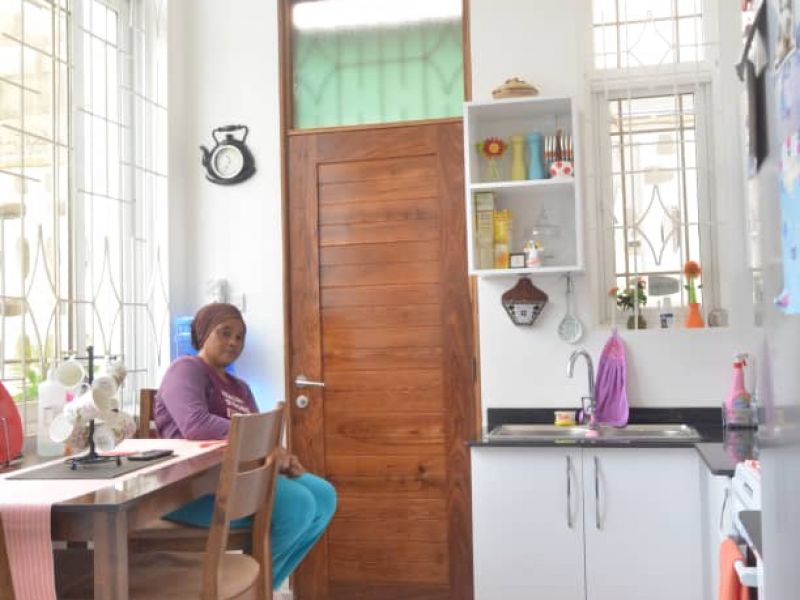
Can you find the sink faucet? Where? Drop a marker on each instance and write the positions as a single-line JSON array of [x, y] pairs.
[[587, 402]]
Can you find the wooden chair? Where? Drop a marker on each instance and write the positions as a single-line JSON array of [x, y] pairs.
[[246, 487], [146, 429], [162, 534]]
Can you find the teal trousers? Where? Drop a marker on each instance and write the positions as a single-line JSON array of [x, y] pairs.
[[302, 509]]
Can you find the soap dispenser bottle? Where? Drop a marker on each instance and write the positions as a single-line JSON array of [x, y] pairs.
[[738, 408]]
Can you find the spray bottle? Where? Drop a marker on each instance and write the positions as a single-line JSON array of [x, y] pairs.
[[738, 407]]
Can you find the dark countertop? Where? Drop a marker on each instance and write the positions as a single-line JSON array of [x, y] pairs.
[[722, 457], [707, 421]]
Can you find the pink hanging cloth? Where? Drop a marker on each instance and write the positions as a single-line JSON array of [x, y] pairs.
[[611, 406]]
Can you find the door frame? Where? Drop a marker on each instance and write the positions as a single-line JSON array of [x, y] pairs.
[[286, 131]]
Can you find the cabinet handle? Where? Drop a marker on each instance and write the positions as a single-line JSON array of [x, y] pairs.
[[597, 492], [725, 498], [569, 492]]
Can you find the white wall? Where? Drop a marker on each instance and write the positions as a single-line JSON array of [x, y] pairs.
[[548, 44], [223, 69]]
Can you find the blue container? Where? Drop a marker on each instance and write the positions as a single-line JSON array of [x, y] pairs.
[[182, 337], [535, 167]]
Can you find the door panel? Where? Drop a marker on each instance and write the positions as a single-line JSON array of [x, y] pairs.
[[643, 512], [528, 520], [380, 311]]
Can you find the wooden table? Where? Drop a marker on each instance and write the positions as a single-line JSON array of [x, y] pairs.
[[108, 514]]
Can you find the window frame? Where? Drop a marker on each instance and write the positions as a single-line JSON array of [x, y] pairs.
[[643, 83], [141, 311]]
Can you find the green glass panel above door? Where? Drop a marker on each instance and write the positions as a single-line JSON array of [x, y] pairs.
[[377, 74]]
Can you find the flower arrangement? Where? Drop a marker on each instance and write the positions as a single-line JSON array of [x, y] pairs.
[[692, 271], [630, 295], [492, 148]]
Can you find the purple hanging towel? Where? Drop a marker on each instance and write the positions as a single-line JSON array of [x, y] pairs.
[[611, 406]]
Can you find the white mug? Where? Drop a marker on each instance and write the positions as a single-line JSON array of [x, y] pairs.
[[121, 423], [70, 373], [104, 438], [87, 406], [104, 387], [72, 409], [61, 428]]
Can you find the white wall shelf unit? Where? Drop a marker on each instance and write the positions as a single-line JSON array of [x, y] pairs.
[[552, 203]]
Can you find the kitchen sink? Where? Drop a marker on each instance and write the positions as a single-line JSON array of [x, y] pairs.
[[661, 432], [656, 432], [546, 432]]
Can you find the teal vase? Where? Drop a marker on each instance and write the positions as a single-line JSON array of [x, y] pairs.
[[535, 167]]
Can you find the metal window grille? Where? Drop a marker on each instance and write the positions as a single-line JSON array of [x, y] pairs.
[[653, 138], [640, 33], [83, 183]]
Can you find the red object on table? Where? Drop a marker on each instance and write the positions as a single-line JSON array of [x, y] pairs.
[[10, 427]]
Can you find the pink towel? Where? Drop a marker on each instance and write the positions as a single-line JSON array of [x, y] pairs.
[[730, 588], [30, 556], [612, 380]]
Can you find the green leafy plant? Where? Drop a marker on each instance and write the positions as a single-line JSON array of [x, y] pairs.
[[30, 388], [630, 295]]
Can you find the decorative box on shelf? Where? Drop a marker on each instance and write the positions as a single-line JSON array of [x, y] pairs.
[[512, 179]]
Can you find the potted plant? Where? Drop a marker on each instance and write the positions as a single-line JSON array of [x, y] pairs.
[[628, 299]]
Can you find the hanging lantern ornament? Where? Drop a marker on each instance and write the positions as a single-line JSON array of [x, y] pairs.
[[524, 302]]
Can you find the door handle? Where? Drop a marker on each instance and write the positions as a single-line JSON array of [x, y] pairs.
[[723, 507], [569, 492], [301, 381], [597, 492]]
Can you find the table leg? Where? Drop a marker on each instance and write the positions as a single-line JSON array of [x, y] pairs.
[[111, 556]]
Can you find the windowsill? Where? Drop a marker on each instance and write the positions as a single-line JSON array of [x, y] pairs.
[[622, 328]]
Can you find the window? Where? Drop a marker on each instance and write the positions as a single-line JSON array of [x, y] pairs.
[[82, 188], [641, 33], [376, 61], [653, 120]]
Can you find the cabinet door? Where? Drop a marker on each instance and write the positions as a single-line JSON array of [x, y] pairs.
[[643, 524], [527, 523], [716, 491]]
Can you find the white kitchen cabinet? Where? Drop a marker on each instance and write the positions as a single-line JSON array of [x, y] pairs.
[[717, 514], [636, 527], [524, 538], [552, 206], [642, 524]]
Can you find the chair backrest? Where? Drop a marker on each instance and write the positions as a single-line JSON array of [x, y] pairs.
[[246, 487], [147, 398], [6, 584]]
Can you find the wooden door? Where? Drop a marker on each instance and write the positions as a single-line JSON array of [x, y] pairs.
[[380, 311]]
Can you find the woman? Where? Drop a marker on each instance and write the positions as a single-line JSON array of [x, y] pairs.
[[196, 400]]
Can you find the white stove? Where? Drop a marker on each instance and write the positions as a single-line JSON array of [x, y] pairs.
[[746, 496]]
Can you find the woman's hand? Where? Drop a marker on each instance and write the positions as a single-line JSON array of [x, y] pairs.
[[288, 464]]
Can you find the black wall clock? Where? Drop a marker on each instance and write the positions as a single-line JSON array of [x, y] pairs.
[[230, 160]]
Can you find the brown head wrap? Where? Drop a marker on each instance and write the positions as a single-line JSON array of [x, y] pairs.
[[208, 317]]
